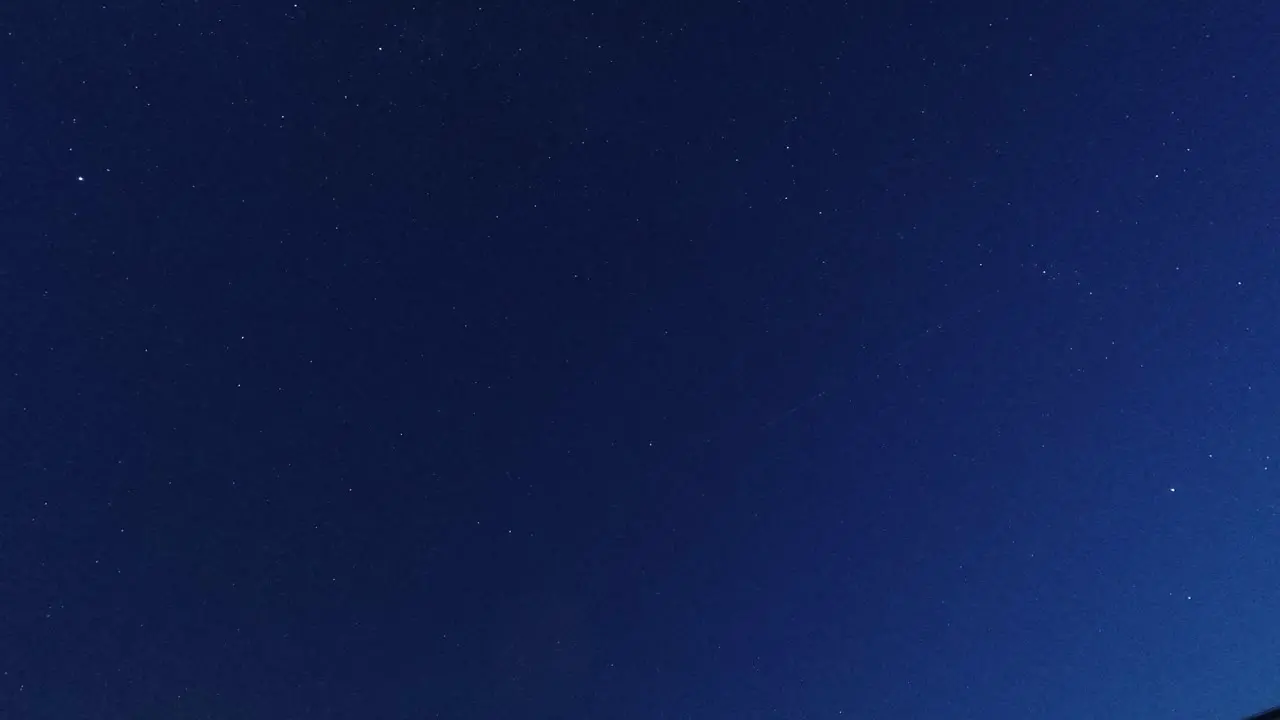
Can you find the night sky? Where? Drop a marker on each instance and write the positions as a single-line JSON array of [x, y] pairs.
[[647, 360]]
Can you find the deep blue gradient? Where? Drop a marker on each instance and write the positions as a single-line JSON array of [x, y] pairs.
[[636, 360]]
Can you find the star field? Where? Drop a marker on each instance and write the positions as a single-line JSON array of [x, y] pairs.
[[633, 360]]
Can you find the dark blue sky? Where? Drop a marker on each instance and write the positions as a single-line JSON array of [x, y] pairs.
[[634, 360]]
